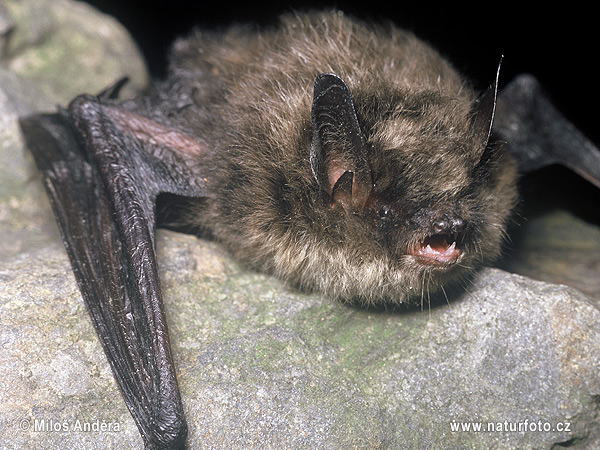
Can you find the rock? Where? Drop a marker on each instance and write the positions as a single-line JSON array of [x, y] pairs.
[[67, 48], [262, 366], [26, 221], [53, 369], [559, 247], [36, 365], [50, 45], [557, 233]]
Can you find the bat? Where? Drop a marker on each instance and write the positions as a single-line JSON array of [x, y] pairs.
[[344, 157]]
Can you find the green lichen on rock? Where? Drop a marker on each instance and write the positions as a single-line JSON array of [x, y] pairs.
[[263, 366], [67, 48]]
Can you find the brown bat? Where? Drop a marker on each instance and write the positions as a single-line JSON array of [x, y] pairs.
[[344, 157]]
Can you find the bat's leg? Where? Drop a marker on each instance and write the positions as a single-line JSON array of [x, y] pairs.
[[109, 239]]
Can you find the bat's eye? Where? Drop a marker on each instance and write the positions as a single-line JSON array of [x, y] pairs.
[[385, 212]]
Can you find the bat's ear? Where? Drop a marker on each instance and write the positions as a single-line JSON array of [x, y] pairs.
[[484, 110], [338, 153]]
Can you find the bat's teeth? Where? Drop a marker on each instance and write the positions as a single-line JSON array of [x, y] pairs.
[[435, 250]]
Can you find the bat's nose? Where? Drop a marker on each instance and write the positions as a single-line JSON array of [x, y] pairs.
[[448, 225]]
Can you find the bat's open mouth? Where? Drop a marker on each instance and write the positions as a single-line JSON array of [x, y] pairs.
[[438, 250]]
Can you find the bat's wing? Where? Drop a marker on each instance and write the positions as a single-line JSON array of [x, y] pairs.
[[538, 135], [103, 167]]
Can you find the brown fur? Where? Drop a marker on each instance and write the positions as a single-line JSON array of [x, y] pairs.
[[247, 95]]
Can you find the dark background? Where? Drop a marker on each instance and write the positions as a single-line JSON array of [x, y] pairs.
[[558, 44]]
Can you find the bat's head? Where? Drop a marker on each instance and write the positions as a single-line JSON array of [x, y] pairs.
[[378, 194], [415, 193]]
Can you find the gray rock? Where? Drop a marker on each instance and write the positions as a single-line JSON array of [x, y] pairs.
[[262, 366], [67, 48], [559, 247], [53, 368], [52, 43], [49, 41], [25, 217]]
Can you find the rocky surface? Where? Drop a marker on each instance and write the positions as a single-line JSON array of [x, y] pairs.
[[45, 48], [67, 47], [263, 366], [50, 51], [557, 232]]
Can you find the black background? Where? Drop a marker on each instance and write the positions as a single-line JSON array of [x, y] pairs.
[[558, 44]]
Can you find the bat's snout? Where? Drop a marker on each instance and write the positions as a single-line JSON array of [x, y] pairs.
[[442, 247]]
